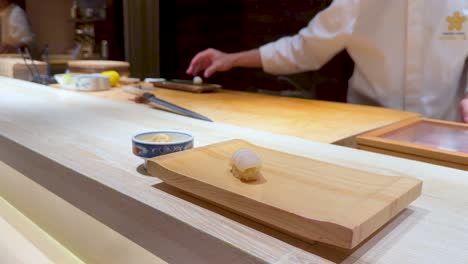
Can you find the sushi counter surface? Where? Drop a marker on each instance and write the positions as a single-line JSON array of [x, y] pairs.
[[66, 164], [314, 120]]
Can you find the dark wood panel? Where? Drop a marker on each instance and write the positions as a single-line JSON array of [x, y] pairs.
[[21, 3], [188, 27], [112, 30], [142, 37]]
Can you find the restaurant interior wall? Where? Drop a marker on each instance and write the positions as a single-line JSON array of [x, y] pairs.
[[52, 24], [189, 26], [50, 21], [142, 37]]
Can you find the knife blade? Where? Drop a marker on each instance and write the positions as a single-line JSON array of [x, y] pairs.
[[175, 108], [149, 97]]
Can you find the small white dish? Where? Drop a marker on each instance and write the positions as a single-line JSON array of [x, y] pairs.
[[83, 82], [144, 148]]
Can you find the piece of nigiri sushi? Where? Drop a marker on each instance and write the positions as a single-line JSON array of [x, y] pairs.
[[246, 165]]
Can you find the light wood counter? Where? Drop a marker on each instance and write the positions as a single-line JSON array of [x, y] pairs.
[[320, 121], [78, 148], [22, 241], [32, 235]]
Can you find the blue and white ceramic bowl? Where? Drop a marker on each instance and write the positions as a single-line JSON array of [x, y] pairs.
[[145, 149]]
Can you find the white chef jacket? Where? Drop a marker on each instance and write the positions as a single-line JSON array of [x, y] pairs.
[[408, 54], [14, 26]]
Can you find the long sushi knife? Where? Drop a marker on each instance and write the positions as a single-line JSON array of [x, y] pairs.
[[149, 97]]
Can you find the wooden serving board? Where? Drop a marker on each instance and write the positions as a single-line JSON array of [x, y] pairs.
[[188, 86], [309, 199]]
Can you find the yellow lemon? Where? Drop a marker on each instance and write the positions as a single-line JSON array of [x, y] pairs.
[[113, 76]]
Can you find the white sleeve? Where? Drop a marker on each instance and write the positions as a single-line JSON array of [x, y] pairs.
[[20, 29], [324, 37]]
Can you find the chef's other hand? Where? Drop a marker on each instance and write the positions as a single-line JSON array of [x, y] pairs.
[[464, 109], [210, 61]]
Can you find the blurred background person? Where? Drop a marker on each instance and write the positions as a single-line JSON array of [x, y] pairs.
[[15, 30]]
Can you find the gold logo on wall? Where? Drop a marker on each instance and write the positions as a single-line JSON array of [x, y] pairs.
[[456, 21]]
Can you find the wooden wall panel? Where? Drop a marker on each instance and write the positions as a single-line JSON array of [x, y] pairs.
[[141, 27], [51, 14], [188, 27], [112, 30], [21, 3]]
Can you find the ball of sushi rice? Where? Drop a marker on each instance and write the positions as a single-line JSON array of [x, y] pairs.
[[197, 80], [246, 165]]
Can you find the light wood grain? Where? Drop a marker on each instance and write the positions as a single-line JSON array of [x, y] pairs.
[[14, 248], [303, 197], [85, 142], [16, 68], [319, 121], [50, 219], [409, 146], [22, 241]]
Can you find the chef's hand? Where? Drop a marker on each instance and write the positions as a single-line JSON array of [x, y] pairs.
[[212, 61], [464, 109]]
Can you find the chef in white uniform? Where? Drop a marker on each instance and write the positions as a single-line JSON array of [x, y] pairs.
[[15, 30], [408, 54]]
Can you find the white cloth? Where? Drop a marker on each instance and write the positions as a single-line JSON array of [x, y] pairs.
[[407, 55], [15, 27]]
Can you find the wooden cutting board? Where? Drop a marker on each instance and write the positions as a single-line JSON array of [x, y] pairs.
[[16, 68], [188, 86], [309, 199], [98, 66]]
